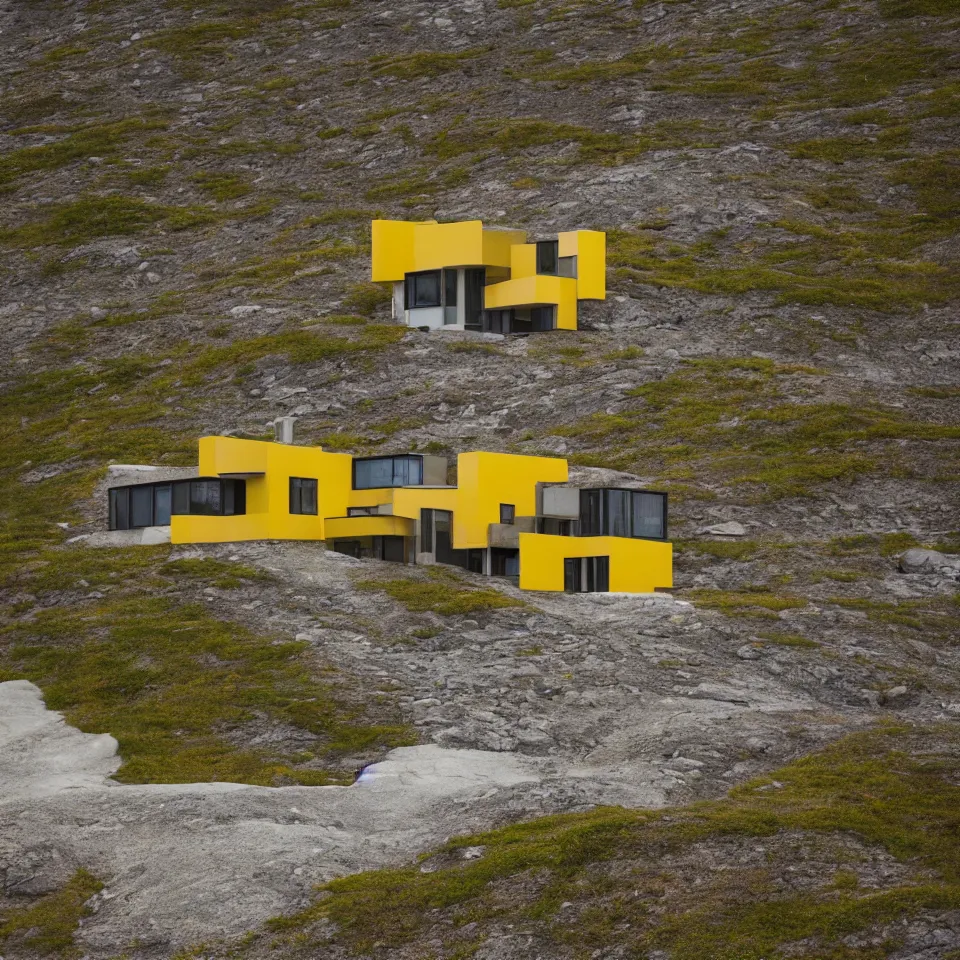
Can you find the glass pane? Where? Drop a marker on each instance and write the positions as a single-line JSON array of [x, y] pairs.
[[618, 513], [308, 497], [590, 525], [602, 574], [571, 574], [205, 497], [450, 284], [444, 535], [648, 515], [141, 506], [120, 509], [507, 512], [228, 497], [294, 495], [181, 498], [547, 255], [426, 531], [407, 471], [427, 289], [567, 267], [161, 505]]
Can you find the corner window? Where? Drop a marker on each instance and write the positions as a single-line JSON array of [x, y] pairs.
[[303, 496], [153, 504], [422, 290], [548, 256], [508, 512], [623, 513]]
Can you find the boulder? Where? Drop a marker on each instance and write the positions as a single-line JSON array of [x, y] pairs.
[[729, 529], [929, 561]]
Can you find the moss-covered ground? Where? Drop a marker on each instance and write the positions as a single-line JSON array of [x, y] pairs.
[[828, 857]]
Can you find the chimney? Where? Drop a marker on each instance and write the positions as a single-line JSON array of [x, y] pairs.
[[283, 429]]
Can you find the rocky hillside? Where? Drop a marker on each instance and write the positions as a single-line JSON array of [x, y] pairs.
[[765, 764]]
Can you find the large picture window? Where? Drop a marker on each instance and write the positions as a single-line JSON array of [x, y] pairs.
[[623, 513], [303, 495], [422, 290], [372, 473], [153, 504]]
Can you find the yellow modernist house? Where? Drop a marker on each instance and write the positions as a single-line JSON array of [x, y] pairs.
[[511, 516], [469, 277]]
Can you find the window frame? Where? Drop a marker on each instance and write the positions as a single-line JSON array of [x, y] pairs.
[[297, 487], [595, 512], [180, 492], [508, 513], [554, 247], [410, 292], [393, 471]]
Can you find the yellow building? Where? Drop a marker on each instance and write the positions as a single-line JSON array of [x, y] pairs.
[[469, 277], [511, 516]]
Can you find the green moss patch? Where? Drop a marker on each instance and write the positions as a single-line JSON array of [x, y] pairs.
[[443, 593], [752, 425], [47, 927], [176, 686], [92, 216]]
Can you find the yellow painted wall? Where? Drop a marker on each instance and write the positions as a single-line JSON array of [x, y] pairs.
[[590, 249], [384, 526], [409, 501], [448, 245], [488, 479], [523, 260], [497, 245], [392, 250], [636, 566], [533, 291]]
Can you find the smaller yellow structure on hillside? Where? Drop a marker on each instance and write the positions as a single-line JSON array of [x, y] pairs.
[[469, 277], [508, 515]]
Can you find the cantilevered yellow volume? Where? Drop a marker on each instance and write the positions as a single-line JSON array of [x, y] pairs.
[[469, 277]]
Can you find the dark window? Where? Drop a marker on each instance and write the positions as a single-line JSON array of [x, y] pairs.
[[205, 498], [475, 561], [567, 267], [443, 525], [161, 504], [375, 472], [422, 290], [450, 288], [393, 549], [473, 283], [426, 531], [181, 498], [554, 526], [141, 506], [504, 562], [548, 255], [591, 522], [650, 515], [361, 511], [508, 512], [623, 513], [153, 504], [303, 495], [120, 509], [586, 574], [542, 318], [350, 547]]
